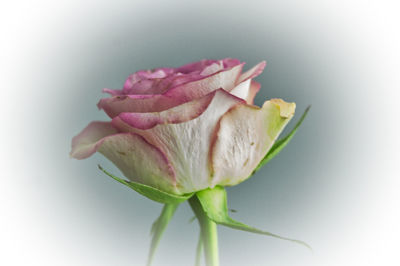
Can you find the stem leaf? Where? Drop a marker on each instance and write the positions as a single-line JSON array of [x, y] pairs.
[[214, 203]]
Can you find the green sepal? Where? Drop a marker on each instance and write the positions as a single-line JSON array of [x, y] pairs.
[[281, 143], [151, 192], [158, 228], [214, 203]]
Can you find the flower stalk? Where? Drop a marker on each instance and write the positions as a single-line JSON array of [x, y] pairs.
[[208, 233], [158, 228], [208, 105]]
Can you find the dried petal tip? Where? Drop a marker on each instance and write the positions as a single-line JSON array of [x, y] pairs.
[[286, 110]]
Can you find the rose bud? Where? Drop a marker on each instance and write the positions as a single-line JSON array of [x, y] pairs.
[[186, 129]]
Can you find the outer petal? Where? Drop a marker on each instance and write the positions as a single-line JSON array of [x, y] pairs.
[[112, 92], [245, 135], [242, 90], [140, 161], [155, 103], [177, 114], [187, 144], [253, 72], [87, 142], [246, 88], [137, 159], [254, 89], [136, 103]]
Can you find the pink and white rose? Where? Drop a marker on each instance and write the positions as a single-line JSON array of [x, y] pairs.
[[186, 129]]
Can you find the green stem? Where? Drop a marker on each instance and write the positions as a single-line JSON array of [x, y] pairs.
[[158, 228], [199, 250], [208, 230]]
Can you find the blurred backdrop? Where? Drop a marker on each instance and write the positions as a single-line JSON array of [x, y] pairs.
[[334, 186]]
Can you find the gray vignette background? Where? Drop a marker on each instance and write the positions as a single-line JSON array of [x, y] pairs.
[[334, 186]]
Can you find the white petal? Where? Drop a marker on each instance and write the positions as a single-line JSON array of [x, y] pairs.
[[140, 161], [242, 89], [87, 142], [137, 159], [254, 89], [187, 144], [245, 135], [253, 72]]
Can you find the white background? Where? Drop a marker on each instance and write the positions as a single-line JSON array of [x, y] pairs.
[[336, 187]]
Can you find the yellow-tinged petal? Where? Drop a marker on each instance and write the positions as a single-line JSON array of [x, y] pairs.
[[245, 135]]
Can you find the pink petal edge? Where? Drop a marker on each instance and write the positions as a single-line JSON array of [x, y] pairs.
[[254, 89], [90, 138], [115, 105], [175, 115], [124, 150], [253, 72]]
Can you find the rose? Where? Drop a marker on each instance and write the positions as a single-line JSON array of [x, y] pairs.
[[186, 129], [183, 134]]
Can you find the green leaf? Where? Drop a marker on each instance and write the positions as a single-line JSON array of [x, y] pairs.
[[281, 143], [214, 203], [158, 228], [151, 192]]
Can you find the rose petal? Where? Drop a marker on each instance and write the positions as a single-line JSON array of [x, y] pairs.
[[156, 103], [112, 92], [231, 62], [159, 80], [247, 90], [200, 65], [156, 85], [177, 114], [195, 66], [214, 68], [253, 72], [136, 103], [86, 143], [242, 90], [245, 87], [245, 135], [254, 89], [146, 86], [143, 75], [138, 160], [187, 144], [196, 89]]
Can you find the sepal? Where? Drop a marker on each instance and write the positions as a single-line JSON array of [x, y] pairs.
[[214, 204], [151, 192]]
